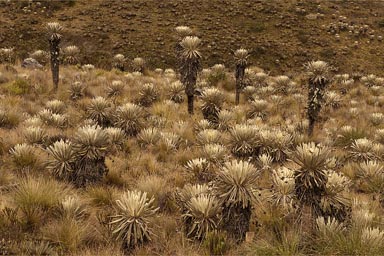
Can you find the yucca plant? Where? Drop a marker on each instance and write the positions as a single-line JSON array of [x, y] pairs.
[[56, 106], [61, 159], [362, 150], [281, 84], [335, 202], [149, 136], [116, 136], [213, 100], [76, 90], [131, 223], [169, 141], [54, 30], [71, 54], [371, 175], [377, 118], [214, 153], [100, 110], [199, 167], [310, 176], [264, 161], [90, 145], [175, 92], [46, 116], [234, 187], [241, 58], [333, 99], [189, 66], [257, 108], [275, 143], [318, 72], [184, 195], [119, 61], [225, 119], [204, 213], [60, 121], [148, 95], [138, 64], [183, 31], [35, 135], [116, 88], [23, 156], [130, 118], [71, 207], [209, 136], [244, 141], [347, 135], [284, 189], [202, 125]]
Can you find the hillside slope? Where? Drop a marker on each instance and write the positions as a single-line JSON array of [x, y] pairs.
[[281, 35]]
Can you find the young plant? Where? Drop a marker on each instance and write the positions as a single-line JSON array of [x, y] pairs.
[[213, 101], [71, 55], [130, 224], [119, 61]]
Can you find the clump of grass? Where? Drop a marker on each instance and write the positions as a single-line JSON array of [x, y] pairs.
[[36, 198], [18, 87], [67, 233]]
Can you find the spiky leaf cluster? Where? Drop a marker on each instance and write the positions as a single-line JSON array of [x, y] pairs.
[[91, 142], [130, 118], [54, 29], [130, 224], [62, 157], [71, 54], [213, 100], [175, 92], [283, 188], [76, 90], [235, 183], [100, 110], [310, 177], [204, 213], [116, 88], [148, 95], [244, 140]]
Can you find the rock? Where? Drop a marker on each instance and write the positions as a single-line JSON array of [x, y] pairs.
[[311, 16], [31, 63]]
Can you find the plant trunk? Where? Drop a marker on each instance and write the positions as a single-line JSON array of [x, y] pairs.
[[236, 221], [315, 101], [240, 71], [190, 104], [237, 95], [55, 51], [311, 126]]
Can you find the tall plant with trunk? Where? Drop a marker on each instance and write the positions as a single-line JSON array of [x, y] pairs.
[[318, 72], [189, 66], [241, 57], [54, 30]]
